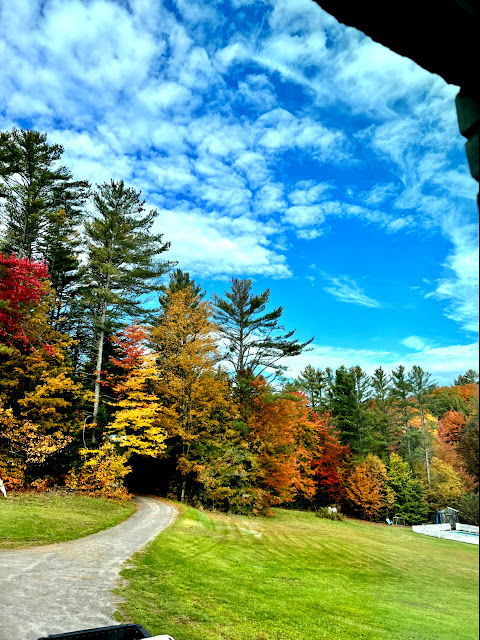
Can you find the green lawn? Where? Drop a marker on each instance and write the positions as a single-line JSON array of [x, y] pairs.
[[297, 577], [33, 519]]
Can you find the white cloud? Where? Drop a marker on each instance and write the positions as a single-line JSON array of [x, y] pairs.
[[413, 342], [445, 363], [346, 289], [459, 286]]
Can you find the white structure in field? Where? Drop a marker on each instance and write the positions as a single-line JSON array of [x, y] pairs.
[[463, 533]]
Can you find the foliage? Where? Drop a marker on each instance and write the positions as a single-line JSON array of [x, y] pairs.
[[409, 501], [195, 397], [135, 426], [468, 448], [101, 473], [329, 514], [367, 492], [313, 383], [468, 508], [330, 465], [37, 394], [23, 283], [446, 486], [284, 439]]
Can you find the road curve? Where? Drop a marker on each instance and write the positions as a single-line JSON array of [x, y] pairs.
[[67, 586]]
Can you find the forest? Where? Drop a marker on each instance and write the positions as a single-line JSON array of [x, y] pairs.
[[119, 375]]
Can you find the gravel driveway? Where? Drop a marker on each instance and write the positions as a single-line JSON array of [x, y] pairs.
[[66, 586]]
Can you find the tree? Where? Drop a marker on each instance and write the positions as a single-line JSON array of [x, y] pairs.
[[367, 491], [42, 208], [23, 284], [382, 410], [283, 436], [409, 501], [468, 508], [330, 465], [178, 282], [122, 264], [194, 394], [469, 377], [313, 382], [38, 418], [348, 392], [401, 390], [446, 487], [468, 448], [256, 342], [422, 387], [136, 423]]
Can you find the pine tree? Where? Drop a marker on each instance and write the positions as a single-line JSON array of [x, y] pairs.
[[381, 411], [122, 264], [180, 281], [469, 377], [343, 402], [256, 342], [42, 208], [313, 382], [401, 391]]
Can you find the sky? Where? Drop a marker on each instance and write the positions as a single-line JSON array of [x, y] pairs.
[[278, 145]]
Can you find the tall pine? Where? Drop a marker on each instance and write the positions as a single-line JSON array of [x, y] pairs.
[[123, 264]]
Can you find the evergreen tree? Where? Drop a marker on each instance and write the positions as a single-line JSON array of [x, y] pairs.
[[313, 382], [180, 281], [401, 391], [409, 499], [41, 207], [381, 412], [422, 386], [122, 264], [343, 403], [469, 377], [256, 341]]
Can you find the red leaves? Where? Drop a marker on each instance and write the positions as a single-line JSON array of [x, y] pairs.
[[328, 466], [22, 286]]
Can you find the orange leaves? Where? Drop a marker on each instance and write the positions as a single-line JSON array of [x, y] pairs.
[[367, 490], [284, 437]]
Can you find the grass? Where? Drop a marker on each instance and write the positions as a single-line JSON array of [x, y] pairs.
[[297, 577], [42, 518]]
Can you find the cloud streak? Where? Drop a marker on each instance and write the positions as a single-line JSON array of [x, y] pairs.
[[347, 290]]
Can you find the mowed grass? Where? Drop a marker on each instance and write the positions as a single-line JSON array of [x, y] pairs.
[[34, 519], [297, 577]]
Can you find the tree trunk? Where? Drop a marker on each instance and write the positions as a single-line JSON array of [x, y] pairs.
[[101, 338], [182, 496], [425, 444]]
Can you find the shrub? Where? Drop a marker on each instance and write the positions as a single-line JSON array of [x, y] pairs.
[[329, 514]]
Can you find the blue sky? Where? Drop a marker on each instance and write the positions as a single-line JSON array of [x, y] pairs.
[[276, 144]]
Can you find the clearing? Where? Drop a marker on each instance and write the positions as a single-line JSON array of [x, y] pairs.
[[298, 577]]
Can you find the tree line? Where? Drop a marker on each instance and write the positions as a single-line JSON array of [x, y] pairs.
[[112, 379]]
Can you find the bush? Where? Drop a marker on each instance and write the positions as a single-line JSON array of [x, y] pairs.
[[468, 509], [329, 514]]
